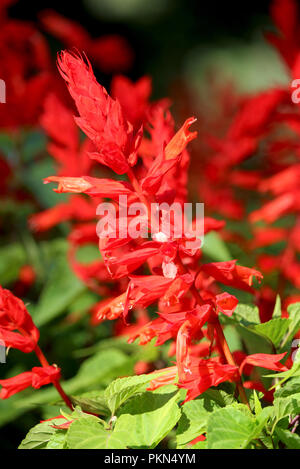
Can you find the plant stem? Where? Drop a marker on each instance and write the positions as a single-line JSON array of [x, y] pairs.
[[44, 362], [230, 361]]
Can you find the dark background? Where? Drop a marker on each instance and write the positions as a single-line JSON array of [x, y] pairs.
[[162, 40]]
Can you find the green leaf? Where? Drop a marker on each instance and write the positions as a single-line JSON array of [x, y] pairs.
[[92, 401], [230, 428], [291, 387], [285, 406], [246, 314], [291, 440], [120, 390], [292, 372], [193, 421], [274, 330], [254, 341], [277, 308], [257, 404], [147, 418], [60, 290], [33, 144], [12, 257], [215, 248], [58, 440], [87, 433], [219, 396], [294, 317], [39, 436]]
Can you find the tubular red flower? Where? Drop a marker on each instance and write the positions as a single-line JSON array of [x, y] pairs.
[[169, 377], [180, 140], [15, 317], [264, 360], [36, 378], [231, 274], [91, 186]]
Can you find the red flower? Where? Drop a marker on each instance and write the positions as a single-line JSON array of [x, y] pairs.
[[36, 378], [258, 386], [203, 374], [168, 377], [231, 274], [264, 360], [15, 317], [91, 186], [101, 117]]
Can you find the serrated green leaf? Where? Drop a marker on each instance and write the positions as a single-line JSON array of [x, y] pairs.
[[291, 440], [294, 317], [57, 440], [291, 387], [147, 418], [92, 401], [230, 428], [246, 314], [285, 406], [89, 434], [40, 435], [274, 330], [120, 390], [193, 421]]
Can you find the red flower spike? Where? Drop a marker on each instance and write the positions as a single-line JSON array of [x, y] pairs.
[[101, 117]]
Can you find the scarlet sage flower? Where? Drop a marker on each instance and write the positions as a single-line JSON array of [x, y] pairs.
[[91, 186], [168, 376], [264, 360], [100, 116], [203, 374], [185, 305], [258, 386], [36, 378], [229, 273], [15, 317], [169, 158]]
